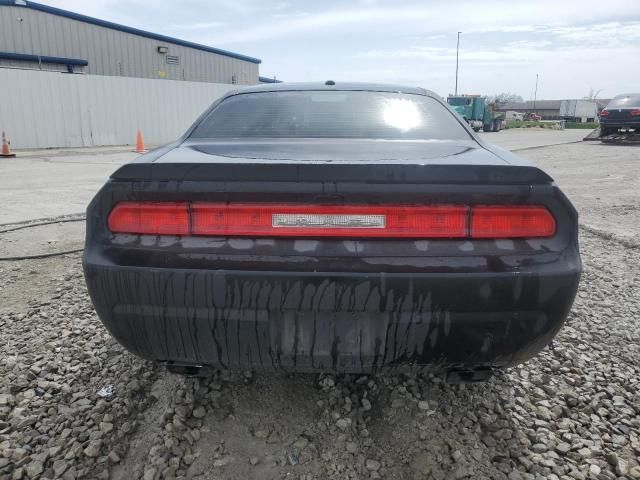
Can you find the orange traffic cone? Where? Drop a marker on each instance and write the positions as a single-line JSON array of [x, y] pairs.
[[5, 147], [140, 143]]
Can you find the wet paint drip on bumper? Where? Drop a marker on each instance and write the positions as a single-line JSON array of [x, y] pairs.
[[329, 322]]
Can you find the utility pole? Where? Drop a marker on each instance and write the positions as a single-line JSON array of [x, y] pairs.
[[457, 57], [535, 96]]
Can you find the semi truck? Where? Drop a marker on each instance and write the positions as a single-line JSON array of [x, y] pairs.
[[477, 112]]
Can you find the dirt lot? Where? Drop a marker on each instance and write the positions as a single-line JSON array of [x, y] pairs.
[[73, 404]]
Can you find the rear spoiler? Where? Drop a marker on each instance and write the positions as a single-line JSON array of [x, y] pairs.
[[362, 173]]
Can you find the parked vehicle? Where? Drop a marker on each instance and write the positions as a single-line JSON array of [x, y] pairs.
[[621, 113], [532, 117], [479, 114], [332, 227], [513, 115]]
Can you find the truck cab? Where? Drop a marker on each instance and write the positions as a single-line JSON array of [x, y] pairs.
[[476, 112]]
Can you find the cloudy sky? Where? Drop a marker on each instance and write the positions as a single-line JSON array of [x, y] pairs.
[[574, 45]]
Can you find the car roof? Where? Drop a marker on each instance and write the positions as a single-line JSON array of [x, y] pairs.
[[626, 100], [624, 95], [337, 85]]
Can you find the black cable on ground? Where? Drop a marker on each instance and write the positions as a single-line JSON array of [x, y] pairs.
[[43, 255], [610, 236], [51, 222], [536, 147], [45, 219]]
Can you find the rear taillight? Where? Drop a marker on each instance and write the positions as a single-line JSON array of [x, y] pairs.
[[350, 221], [162, 218], [512, 221], [604, 113], [635, 112]]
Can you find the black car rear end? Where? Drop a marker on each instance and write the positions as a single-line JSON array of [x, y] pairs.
[[355, 301], [622, 112]]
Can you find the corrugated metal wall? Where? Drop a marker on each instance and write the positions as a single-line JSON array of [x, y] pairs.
[[49, 109], [111, 52]]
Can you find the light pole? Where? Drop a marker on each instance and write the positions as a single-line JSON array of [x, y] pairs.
[[535, 95], [457, 57]]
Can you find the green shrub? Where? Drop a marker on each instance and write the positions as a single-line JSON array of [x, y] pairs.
[[586, 125], [526, 124]]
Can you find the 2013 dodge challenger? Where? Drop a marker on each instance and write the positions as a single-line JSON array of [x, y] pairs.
[[332, 227]]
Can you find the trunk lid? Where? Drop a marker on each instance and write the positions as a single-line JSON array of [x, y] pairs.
[[332, 162], [620, 114]]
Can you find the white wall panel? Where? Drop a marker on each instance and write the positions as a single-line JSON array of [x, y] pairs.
[[48, 109]]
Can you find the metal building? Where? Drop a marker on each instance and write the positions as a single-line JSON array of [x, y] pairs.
[[557, 109], [37, 36]]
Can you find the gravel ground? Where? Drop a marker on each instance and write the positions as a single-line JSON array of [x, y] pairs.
[[74, 404], [602, 181], [47, 183]]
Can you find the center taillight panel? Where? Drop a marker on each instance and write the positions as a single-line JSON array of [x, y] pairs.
[[283, 220], [341, 221]]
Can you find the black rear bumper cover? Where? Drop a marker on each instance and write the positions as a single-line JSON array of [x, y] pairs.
[[620, 123], [309, 321]]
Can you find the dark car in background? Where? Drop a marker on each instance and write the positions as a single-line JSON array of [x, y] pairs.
[[332, 227], [622, 112]]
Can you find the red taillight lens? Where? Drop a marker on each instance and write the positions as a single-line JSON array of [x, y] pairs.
[[604, 113], [511, 222], [162, 218], [329, 221], [346, 221], [635, 112]]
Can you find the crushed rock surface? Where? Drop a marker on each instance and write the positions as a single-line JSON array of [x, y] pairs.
[[74, 404]]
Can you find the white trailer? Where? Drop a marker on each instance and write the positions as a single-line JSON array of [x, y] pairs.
[[513, 115], [579, 110]]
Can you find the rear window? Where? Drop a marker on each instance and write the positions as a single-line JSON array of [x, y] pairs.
[[331, 114], [625, 101]]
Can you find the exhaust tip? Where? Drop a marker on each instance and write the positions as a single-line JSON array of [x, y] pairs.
[[188, 370], [469, 375]]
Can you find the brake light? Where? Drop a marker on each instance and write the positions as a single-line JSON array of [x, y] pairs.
[[329, 220], [340, 221], [604, 113], [162, 218], [635, 112], [511, 221]]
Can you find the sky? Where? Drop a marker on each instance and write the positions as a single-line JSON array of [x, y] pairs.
[[574, 46]]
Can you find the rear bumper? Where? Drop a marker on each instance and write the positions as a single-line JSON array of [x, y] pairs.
[[309, 321], [622, 123]]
